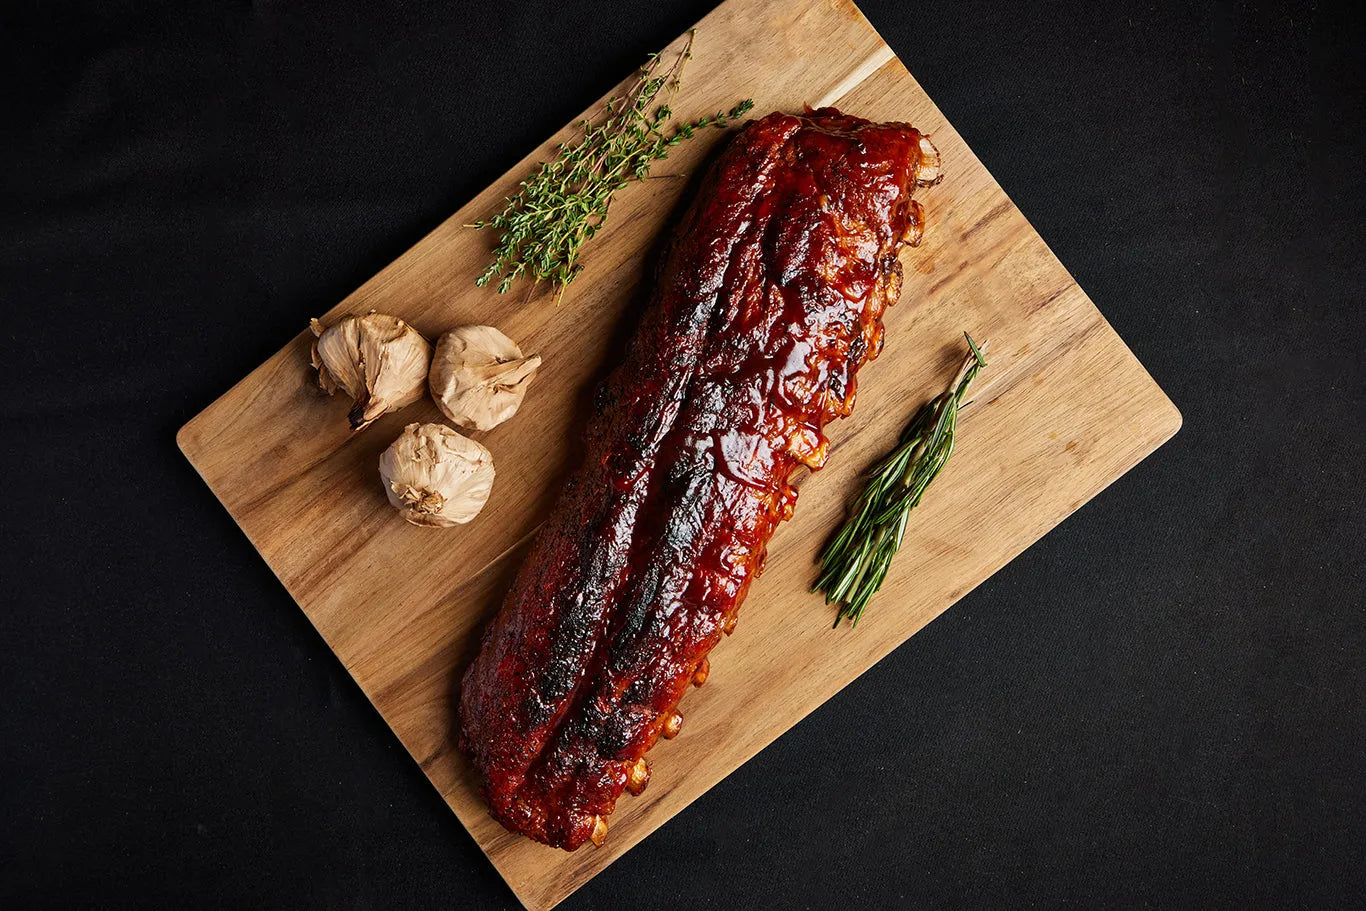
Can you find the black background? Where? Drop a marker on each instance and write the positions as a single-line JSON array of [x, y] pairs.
[[1158, 704]]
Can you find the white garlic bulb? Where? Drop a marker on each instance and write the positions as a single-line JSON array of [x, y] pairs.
[[479, 376], [378, 360], [435, 477]]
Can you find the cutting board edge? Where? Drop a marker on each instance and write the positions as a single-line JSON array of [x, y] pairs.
[[1170, 423], [1165, 420]]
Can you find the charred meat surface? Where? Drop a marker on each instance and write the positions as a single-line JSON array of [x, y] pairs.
[[769, 300]]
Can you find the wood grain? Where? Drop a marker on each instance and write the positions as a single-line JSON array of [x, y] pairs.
[[1063, 410]]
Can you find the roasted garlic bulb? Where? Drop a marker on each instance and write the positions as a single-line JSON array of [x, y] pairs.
[[479, 376], [435, 477], [378, 360]]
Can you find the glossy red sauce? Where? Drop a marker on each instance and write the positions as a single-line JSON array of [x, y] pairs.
[[768, 302]]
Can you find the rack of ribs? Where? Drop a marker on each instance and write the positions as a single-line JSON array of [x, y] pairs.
[[768, 300]]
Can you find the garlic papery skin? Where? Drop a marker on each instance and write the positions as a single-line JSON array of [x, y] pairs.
[[479, 376], [378, 360], [435, 477]]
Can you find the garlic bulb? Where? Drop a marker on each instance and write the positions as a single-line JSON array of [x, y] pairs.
[[378, 360], [435, 477], [479, 376]]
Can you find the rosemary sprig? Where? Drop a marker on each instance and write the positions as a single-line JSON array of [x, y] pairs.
[[565, 202], [856, 560]]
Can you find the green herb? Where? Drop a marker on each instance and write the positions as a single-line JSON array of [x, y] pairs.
[[855, 561], [565, 202]]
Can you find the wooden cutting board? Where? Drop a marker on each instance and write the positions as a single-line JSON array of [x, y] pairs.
[[1063, 410]]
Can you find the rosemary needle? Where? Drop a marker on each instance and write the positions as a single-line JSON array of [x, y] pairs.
[[565, 201], [855, 562]]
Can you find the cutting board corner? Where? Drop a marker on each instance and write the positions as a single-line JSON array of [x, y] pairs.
[[401, 606]]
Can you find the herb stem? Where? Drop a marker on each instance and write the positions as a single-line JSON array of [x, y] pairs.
[[855, 562], [566, 201]]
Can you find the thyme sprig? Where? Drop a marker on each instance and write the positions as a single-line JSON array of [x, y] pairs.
[[561, 206], [855, 562]]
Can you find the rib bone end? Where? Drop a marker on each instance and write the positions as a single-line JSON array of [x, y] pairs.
[[699, 676], [599, 834], [637, 776], [672, 726]]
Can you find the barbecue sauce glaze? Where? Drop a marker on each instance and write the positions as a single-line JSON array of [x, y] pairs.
[[768, 301]]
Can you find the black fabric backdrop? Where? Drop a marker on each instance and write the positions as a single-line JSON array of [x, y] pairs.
[[1159, 704]]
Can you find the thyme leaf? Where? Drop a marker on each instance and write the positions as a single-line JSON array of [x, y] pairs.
[[565, 202]]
